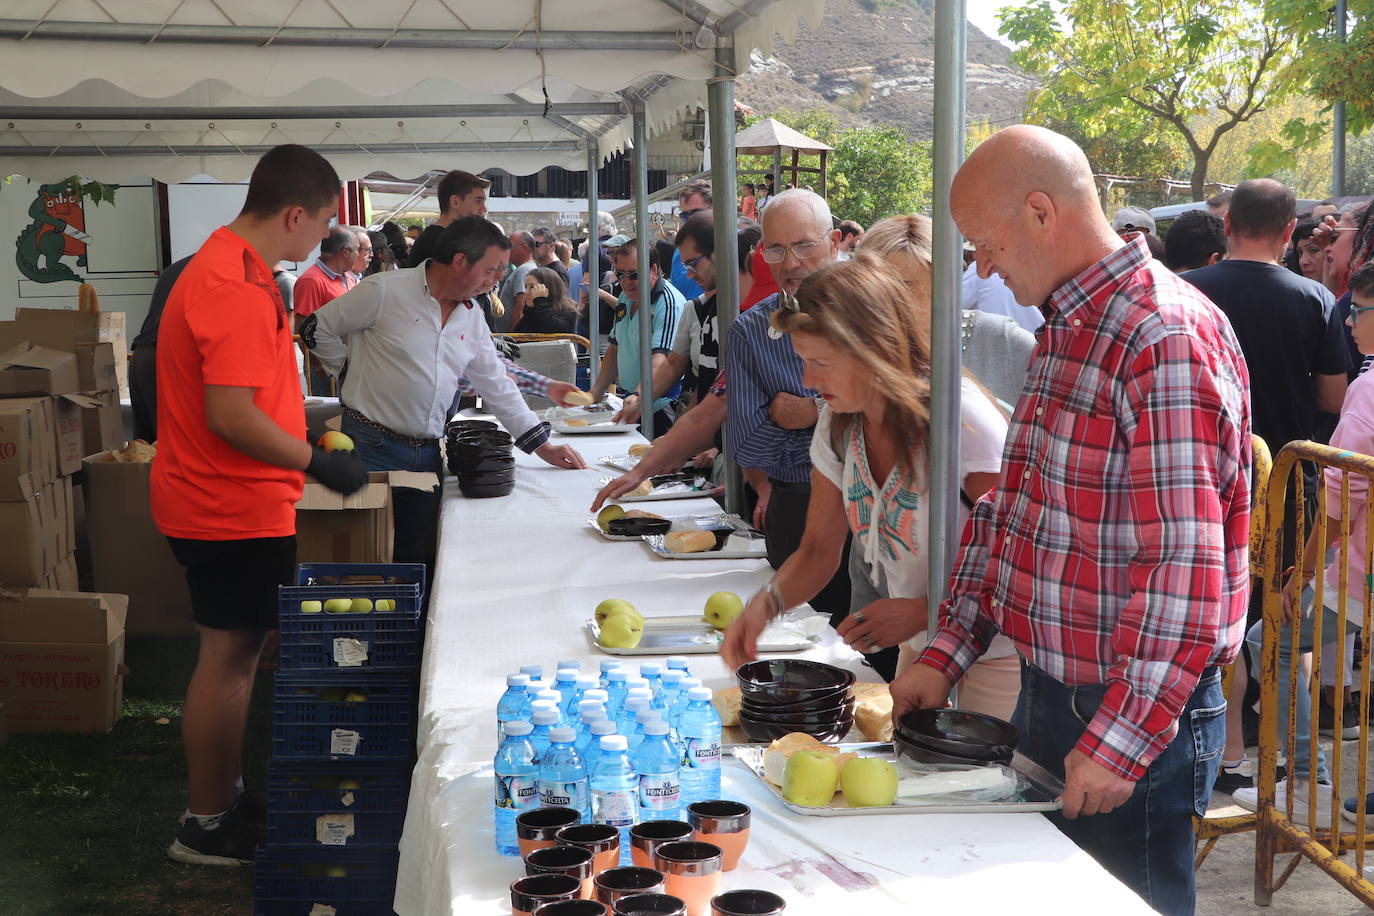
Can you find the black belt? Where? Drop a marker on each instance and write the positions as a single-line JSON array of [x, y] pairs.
[[385, 430]]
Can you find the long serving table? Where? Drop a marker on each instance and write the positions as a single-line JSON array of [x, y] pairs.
[[516, 579]]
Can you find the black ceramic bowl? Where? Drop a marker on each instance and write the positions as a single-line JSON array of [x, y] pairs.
[[822, 702], [457, 426], [791, 680], [924, 757], [636, 527], [485, 480], [803, 719], [480, 491], [969, 737], [771, 731], [470, 453], [483, 465]]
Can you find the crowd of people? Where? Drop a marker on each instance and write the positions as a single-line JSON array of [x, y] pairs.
[[1107, 404]]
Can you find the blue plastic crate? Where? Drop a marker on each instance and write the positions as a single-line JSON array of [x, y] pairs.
[[375, 640], [336, 805], [289, 882], [333, 717]]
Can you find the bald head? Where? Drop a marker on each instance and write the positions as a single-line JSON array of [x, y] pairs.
[[797, 232], [1027, 200]]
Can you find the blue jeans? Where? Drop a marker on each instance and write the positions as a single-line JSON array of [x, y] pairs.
[[416, 512], [1146, 843], [1300, 756]]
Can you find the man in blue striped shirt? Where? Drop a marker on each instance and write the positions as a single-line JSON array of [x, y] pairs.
[[621, 362], [771, 413]]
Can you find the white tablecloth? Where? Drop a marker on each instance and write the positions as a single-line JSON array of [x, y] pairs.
[[516, 579]]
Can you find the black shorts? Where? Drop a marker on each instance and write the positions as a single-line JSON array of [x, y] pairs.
[[234, 583]]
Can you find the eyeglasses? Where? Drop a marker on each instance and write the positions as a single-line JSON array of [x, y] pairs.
[[776, 254], [627, 275], [1355, 311], [692, 263], [688, 214]]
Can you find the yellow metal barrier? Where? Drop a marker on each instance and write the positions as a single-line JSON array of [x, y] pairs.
[[1207, 830], [1276, 831]]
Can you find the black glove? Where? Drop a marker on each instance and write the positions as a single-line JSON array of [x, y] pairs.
[[340, 471], [506, 347]]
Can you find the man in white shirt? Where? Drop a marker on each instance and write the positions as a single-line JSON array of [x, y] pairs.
[[991, 295], [400, 384]]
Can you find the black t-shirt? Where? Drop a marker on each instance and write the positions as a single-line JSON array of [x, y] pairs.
[[557, 267], [540, 318], [709, 366], [426, 244], [1289, 330], [147, 334]]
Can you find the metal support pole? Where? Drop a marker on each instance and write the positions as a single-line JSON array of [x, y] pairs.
[[646, 314], [1338, 119], [720, 119], [777, 170], [950, 34], [591, 270]]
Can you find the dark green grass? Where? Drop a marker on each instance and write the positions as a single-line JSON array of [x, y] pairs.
[[85, 819]]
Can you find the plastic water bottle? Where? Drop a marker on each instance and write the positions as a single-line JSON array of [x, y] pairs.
[[579, 690], [677, 663], [514, 703], [644, 716], [668, 691], [536, 676], [556, 698], [570, 663], [563, 775], [658, 761], [615, 690], [588, 744], [700, 732], [680, 706], [615, 791], [625, 722], [590, 712], [653, 673], [607, 666], [517, 784], [597, 693], [544, 721], [638, 682], [565, 682]]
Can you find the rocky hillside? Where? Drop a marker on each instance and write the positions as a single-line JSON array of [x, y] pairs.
[[871, 62]]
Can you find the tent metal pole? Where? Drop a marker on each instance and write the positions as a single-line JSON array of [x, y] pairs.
[[516, 108], [591, 271], [950, 35], [720, 116], [646, 315], [1338, 118], [257, 149]]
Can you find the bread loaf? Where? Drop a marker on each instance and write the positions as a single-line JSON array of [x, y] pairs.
[[727, 703], [577, 399], [873, 711], [640, 450], [577, 422], [690, 541], [641, 513], [644, 489]]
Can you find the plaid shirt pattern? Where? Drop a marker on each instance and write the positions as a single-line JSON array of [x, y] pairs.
[[1115, 548], [528, 381]]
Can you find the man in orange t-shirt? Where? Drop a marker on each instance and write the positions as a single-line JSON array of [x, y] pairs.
[[229, 470]]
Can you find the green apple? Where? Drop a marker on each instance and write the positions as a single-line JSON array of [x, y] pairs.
[[335, 871], [608, 515], [350, 785], [335, 441], [722, 608], [621, 631], [311, 607], [338, 606], [355, 696], [361, 606], [810, 778], [868, 782], [612, 607], [385, 604]]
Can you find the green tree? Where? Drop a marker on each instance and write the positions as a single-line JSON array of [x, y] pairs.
[[1108, 64], [1329, 69]]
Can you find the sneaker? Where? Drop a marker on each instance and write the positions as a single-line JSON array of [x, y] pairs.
[[230, 842], [1249, 800], [254, 811], [1231, 778], [1350, 720], [1350, 810]]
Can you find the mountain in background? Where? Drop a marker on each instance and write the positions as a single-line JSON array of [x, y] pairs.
[[872, 62]]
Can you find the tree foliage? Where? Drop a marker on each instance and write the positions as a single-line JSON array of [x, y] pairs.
[[874, 171], [1332, 70], [1117, 66]]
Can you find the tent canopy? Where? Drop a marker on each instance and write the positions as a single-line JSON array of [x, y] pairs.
[[768, 136], [119, 89]]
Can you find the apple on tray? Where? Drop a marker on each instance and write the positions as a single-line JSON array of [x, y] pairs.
[[868, 782], [722, 608], [810, 779]]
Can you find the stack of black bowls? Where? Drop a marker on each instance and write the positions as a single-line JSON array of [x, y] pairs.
[[479, 455], [953, 737], [787, 695]]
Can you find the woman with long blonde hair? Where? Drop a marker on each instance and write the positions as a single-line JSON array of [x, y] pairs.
[[863, 337]]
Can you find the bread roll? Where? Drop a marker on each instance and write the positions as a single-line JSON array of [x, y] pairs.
[[690, 541], [775, 758], [575, 422], [727, 703], [644, 489], [873, 716], [577, 399], [639, 450], [641, 513]]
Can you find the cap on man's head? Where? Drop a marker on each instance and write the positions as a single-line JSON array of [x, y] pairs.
[[1132, 219], [617, 241]]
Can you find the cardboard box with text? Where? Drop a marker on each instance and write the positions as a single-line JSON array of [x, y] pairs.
[[331, 528], [28, 450]]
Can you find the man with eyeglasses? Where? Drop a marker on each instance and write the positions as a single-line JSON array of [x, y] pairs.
[[694, 198], [621, 362], [363, 256], [513, 289], [771, 413], [321, 283]]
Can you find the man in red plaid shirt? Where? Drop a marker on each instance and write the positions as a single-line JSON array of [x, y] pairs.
[[1114, 551]]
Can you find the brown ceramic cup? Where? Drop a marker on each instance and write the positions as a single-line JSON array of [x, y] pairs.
[[724, 823], [614, 883], [648, 836], [747, 903], [563, 860], [530, 892], [574, 908], [692, 872], [650, 905], [538, 827], [601, 840]]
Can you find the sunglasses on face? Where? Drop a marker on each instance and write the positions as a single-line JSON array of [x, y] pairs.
[[627, 275]]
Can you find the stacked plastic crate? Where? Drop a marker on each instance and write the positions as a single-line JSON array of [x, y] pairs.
[[343, 739]]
